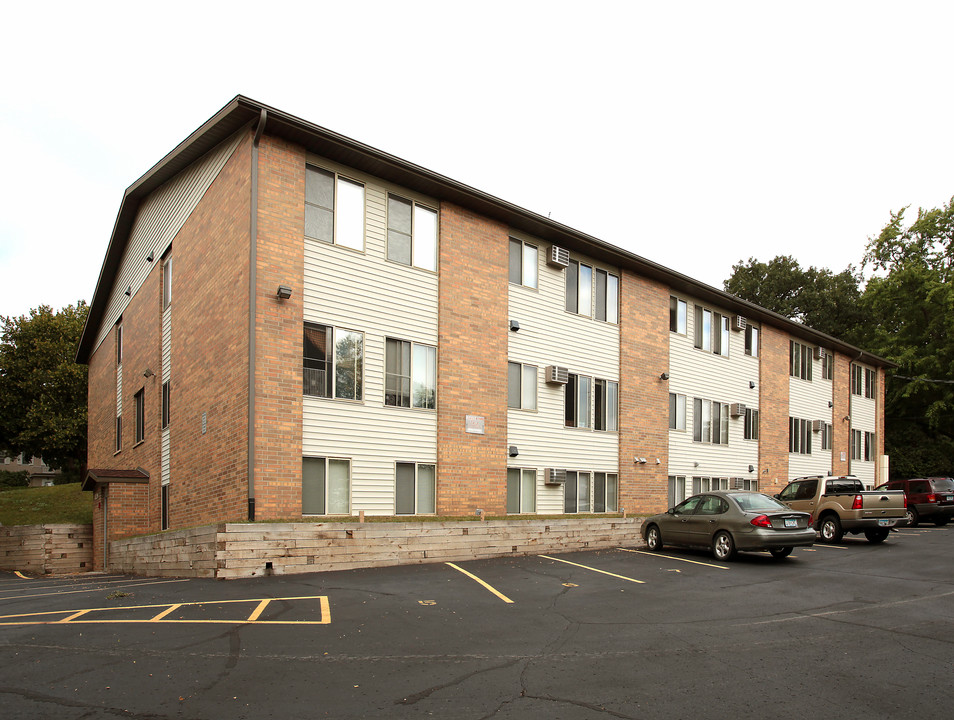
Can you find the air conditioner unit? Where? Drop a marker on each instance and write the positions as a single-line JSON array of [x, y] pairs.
[[558, 257], [554, 476], [737, 409], [820, 352], [556, 374], [739, 323], [818, 425]]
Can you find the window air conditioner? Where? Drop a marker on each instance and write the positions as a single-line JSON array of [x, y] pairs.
[[556, 374], [739, 323], [818, 425], [820, 352], [737, 409], [558, 257], [555, 477]]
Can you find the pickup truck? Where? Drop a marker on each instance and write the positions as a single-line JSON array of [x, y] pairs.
[[840, 505]]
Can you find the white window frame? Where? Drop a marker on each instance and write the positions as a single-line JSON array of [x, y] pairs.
[[751, 429], [328, 494], [342, 229], [421, 375], [711, 331], [752, 336], [710, 422], [678, 318], [606, 405], [676, 490], [525, 391], [582, 407], [332, 364], [421, 493], [578, 480], [799, 436], [527, 266], [424, 249], [677, 413], [582, 292], [609, 498], [521, 488]]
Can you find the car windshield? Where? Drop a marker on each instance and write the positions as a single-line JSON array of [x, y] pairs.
[[757, 502], [944, 485]]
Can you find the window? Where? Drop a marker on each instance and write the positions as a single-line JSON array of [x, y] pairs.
[[747, 484], [119, 433], [119, 344], [412, 233], [605, 492], [826, 436], [856, 445], [140, 401], [707, 484], [606, 405], [751, 431], [333, 361], [415, 489], [521, 386], [677, 412], [521, 491], [576, 492], [577, 401], [325, 486], [165, 404], [334, 208], [870, 379], [799, 436], [164, 509], [580, 292], [712, 331], [167, 282], [869, 449], [800, 360], [751, 340], [677, 490], [857, 380], [710, 422], [410, 374], [828, 365], [523, 263], [678, 310]]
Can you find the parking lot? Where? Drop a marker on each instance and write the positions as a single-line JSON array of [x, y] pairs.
[[852, 630]]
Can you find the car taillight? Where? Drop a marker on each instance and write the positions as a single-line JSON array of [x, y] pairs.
[[761, 521], [856, 505], [932, 498]]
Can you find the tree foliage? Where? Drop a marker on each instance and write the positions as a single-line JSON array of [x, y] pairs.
[[42, 388], [817, 297]]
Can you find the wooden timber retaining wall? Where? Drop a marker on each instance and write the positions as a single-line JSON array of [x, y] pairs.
[[47, 549], [241, 550]]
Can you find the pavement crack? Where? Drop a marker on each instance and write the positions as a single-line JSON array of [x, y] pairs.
[[581, 704], [417, 697]]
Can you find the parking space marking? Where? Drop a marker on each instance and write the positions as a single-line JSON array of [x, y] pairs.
[[71, 616], [477, 579], [99, 588], [20, 575], [833, 547], [673, 557], [586, 567]]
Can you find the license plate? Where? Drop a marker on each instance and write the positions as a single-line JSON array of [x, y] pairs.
[[791, 522], [886, 523], [949, 498]]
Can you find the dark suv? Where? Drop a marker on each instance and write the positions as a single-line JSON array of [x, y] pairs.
[[927, 498]]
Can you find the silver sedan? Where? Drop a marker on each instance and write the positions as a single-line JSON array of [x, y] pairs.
[[728, 521]]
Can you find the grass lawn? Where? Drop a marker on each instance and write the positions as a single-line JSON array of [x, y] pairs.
[[46, 505]]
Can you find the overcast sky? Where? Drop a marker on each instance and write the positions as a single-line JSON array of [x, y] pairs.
[[695, 134]]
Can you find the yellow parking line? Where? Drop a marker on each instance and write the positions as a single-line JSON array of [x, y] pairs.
[[258, 611], [100, 588], [673, 557], [171, 608], [585, 567], [74, 615], [20, 575], [477, 579], [833, 547]]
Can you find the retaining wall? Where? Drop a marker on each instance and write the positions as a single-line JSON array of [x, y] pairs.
[[239, 550], [47, 549]]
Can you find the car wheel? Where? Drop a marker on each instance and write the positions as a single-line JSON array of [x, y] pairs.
[[781, 552], [877, 536], [912, 515], [830, 529], [722, 546], [942, 523], [653, 539]]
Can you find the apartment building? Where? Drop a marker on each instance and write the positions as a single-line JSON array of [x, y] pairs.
[[289, 324]]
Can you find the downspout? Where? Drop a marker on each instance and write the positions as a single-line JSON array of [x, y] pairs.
[[252, 292], [851, 379]]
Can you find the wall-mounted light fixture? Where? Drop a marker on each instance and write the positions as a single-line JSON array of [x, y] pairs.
[[831, 404], [284, 292], [664, 376], [640, 460], [148, 374], [151, 256], [751, 384], [514, 325], [513, 451], [129, 291], [751, 468], [847, 418], [658, 461]]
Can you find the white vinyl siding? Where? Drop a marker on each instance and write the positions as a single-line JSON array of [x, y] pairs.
[[551, 336], [161, 215], [403, 305], [165, 438], [863, 420], [708, 376], [809, 401]]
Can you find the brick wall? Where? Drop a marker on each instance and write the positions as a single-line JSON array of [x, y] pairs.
[[773, 409], [208, 470], [643, 396], [278, 333], [472, 363], [841, 403]]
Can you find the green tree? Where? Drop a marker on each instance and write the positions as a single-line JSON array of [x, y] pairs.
[[42, 388], [910, 300], [825, 301]]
